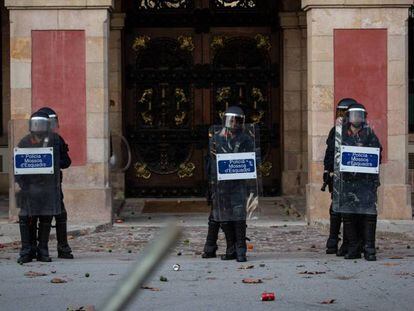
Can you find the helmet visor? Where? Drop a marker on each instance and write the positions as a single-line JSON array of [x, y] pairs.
[[54, 123], [357, 116], [233, 121], [39, 125]]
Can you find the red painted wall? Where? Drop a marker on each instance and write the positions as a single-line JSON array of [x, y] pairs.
[[59, 82], [360, 72]]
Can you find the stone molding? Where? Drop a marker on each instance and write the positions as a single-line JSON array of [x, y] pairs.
[[117, 21], [58, 4], [310, 4], [292, 20]]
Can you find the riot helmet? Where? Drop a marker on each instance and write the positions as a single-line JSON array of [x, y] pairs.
[[234, 118], [357, 115], [343, 105], [39, 123], [54, 121]]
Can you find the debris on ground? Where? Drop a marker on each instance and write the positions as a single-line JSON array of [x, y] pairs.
[[58, 280], [252, 281], [176, 267], [163, 279], [33, 274], [154, 289], [405, 274], [396, 257], [268, 296], [344, 277], [246, 267], [82, 308], [312, 272], [327, 302]]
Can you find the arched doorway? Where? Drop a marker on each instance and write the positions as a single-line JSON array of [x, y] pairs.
[[185, 62]]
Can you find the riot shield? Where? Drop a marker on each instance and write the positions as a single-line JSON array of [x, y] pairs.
[[36, 170], [357, 165], [235, 181]]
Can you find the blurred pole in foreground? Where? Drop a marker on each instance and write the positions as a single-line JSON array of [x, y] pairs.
[[150, 258]]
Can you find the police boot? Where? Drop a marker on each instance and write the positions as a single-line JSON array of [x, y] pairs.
[[344, 246], [241, 247], [350, 227], [370, 225], [228, 228], [63, 248], [27, 253], [33, 234], [360, 232], [211, 242], [334, 227], [44, 232]]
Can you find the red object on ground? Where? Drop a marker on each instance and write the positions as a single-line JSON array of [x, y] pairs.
[[268, 296]]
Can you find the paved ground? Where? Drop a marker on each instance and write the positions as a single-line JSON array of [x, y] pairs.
[[288, 258]]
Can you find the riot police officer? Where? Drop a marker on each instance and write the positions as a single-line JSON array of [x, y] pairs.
[[357, 192], [229, 197], [38, 196], [63, 248], [335, 218]]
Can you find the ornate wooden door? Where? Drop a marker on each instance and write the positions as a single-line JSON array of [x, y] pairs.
[[186, 61]]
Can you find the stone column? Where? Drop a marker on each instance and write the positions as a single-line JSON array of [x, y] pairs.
[[294, 174], [5, 104], [86, 186], [323, 17], [115, 95]]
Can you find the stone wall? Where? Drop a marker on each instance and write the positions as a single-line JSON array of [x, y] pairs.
[[322, 18], [5, 93], [294, 102], [86, 187]]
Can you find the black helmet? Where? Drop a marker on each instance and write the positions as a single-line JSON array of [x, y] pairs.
[[39, 123], [54, 122], [234, 118], [343, 105], [356, 114]]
